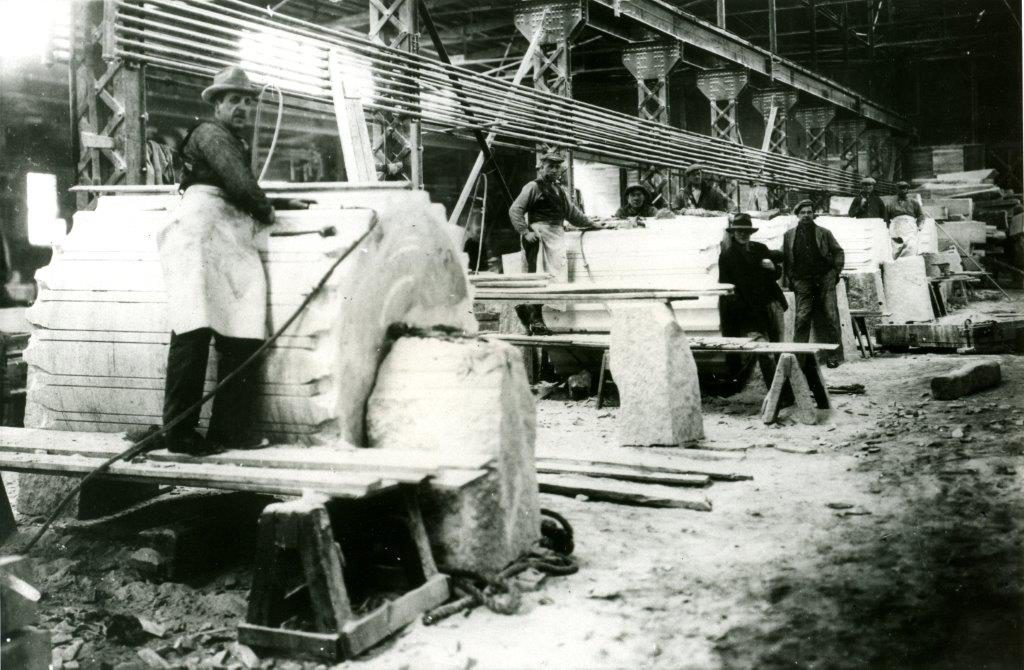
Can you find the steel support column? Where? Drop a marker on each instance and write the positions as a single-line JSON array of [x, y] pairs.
[[558, 20], [782, 101], [109, 106], [722, 87], [848, 134], [815, 121], [650, 64], [879, 152], [395, 138]]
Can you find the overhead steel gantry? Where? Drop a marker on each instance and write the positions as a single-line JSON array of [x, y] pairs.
[[665, 19]]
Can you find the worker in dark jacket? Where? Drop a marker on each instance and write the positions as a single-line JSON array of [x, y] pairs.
[[700, 193], [867, 204], [638, 203], [215, 283], [757, 304], [538, 214], [813, 264]]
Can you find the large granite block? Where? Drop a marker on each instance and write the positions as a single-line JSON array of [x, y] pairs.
[[461, 396], [906, 290], [656, 376]]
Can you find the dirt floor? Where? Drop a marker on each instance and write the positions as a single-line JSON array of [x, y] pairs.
[[889, 536]]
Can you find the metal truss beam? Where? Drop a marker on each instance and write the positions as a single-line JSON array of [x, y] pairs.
[[650, 64], [815, 121], [782, 101], [667, 20], [722, 87]]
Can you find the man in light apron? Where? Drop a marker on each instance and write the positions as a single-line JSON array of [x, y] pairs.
[[216, 287], [548, 205]]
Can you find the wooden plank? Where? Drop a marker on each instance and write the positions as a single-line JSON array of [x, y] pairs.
[[202, 475], [603, 341], [291, 642], [648, 463], [622, 493], [536, 296], [625, 474], [358, 636], [332, 456]]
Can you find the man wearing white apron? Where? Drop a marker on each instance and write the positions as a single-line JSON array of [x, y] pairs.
[[216, 287], [548, 205]]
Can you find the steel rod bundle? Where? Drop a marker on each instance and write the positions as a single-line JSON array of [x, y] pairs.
[[201, 38]]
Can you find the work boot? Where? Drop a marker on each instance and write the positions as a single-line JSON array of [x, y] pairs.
[[191, 443]]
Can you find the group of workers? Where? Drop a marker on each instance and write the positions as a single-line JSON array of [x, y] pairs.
[[217, 288]]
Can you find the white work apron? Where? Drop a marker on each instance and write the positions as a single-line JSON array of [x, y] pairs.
[[212, 270], [905, 227], [551, 258]]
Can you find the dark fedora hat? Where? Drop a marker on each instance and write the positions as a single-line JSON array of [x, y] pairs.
[[231, 78], [741, 222]]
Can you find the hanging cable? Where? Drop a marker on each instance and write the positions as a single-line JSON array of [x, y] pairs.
[[256, 129]]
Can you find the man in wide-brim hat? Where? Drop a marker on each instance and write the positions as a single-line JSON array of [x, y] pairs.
[[638, 203], [216, 287], [867, 204], [757, 304]]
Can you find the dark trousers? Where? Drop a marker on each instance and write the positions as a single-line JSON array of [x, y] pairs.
[[530, 313], [186, 372], [816, 303]]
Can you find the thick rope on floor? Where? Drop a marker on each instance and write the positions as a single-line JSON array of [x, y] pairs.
[[551, 555]]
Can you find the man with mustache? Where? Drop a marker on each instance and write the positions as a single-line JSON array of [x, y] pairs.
[[216, 287]]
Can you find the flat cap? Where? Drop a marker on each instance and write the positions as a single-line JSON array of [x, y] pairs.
[[806, 202], [902, 183], [868, 180], [696, 167], [552, 157]]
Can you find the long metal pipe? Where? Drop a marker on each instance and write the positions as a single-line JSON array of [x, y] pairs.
[[421, 87]]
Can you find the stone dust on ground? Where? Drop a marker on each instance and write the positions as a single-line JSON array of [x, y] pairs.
[[889, 536]]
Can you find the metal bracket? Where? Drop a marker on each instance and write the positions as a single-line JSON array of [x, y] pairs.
[[558, 20], [652, 60]]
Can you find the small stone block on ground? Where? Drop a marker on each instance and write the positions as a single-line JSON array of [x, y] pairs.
[[966, 380]]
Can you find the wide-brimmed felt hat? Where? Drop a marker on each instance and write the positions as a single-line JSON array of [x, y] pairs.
[[642, 188], [552, 157], [231, 78], [696, 167], [868, 180], [806, 201], [742, 222]]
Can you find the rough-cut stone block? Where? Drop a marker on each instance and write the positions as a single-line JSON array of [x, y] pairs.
[[464, 396], [966, 380], [656, 377], [906, 290]]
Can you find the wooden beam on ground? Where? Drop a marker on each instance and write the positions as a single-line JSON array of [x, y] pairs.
[[650, 464], [624, 473], [623, 493]]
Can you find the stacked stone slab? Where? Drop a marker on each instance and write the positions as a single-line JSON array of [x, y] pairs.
[[98, 350]]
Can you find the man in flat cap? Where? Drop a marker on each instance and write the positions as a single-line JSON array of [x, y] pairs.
[[904, 205], [757, 303], [700, 193], [538, 214], [867, 204], [638, 203], [216, 287], [814, 261]]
